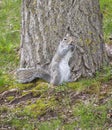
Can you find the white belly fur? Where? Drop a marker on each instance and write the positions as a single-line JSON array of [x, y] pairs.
[[65, 68]]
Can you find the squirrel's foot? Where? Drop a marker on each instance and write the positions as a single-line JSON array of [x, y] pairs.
[[70, 80]]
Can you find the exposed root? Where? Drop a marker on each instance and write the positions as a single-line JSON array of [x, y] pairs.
[[17, 96], [12, 92], [24, 98]]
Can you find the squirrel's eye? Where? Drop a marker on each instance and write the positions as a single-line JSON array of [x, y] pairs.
[[65, 39]]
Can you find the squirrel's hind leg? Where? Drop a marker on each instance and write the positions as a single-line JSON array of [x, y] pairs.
[[55, 79]]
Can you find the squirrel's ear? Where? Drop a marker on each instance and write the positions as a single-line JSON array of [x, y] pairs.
[[67, 34]]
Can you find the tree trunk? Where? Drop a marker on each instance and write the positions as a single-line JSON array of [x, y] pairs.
[[46, 22]]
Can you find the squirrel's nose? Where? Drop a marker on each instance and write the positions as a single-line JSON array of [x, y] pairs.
[[71, 44]]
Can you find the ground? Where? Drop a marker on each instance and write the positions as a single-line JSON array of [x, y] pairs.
[[84, 105]]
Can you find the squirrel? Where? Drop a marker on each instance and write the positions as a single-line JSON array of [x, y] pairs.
[[59, 69]]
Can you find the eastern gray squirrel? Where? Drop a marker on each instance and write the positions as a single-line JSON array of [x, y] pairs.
[[59, 69]]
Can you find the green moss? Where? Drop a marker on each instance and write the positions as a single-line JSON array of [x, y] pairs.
[[10, 98], [40, 107], [3, 109], [75, 85], [40, 89], [81, 85], [93, 89], [63, 87], [27, 86], [42, 86]]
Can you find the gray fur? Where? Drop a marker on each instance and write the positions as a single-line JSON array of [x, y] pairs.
[[59, 69]]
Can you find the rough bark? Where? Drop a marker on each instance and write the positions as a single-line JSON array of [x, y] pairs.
[[46, 22]]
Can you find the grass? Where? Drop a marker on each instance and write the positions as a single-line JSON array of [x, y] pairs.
[[9, 37], [58, 109], [79, 105], [107, 18], [90, 116]]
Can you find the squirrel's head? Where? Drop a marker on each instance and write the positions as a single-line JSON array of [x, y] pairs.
[[68, 42]]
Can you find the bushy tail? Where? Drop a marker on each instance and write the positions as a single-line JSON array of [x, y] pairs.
[[25, 75]]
